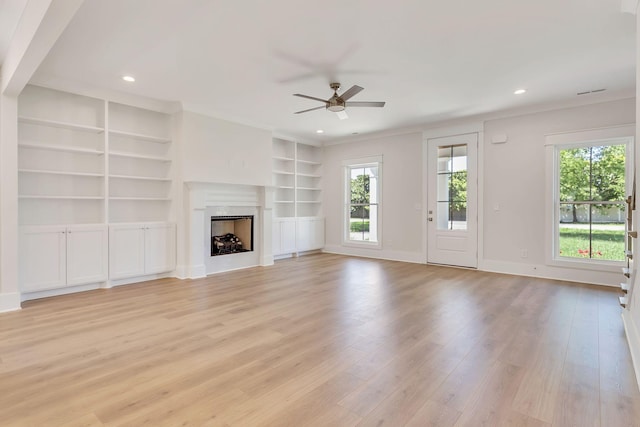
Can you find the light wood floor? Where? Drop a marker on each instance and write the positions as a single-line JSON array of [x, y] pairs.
[[322, 340]]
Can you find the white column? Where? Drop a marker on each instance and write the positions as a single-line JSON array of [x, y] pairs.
[[9, 290]]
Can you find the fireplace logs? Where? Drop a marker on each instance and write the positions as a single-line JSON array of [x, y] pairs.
[[226, 244]]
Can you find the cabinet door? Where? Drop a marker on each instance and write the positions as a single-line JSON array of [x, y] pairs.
[[126, 250], [42, 258], [284, 236], [159, 248], [309, 234], [87, 256]]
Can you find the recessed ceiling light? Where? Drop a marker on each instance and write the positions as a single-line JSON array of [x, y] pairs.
[[319, 131], [129, 79], [520, 91]]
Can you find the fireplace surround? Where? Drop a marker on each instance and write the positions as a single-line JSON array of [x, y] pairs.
[[206, 200]]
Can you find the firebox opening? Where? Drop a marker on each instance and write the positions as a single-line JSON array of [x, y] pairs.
[[231, 234]]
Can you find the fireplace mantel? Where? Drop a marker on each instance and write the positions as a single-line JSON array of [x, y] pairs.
[[205, 199]]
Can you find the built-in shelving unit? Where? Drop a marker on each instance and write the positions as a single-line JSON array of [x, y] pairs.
[[86, 165], [139, 164], [297, 175], [61, 162]]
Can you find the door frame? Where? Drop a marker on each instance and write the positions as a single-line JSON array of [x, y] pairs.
[[472, 127]]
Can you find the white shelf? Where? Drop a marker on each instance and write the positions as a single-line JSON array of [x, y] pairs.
[[309, 201], [309, 189], [25, 196], [286, 159], [161, 199], [52, 147], [309, 162], [59, 124], [50, 172], [283, 173], [138, 156], [283, 201], [308, 175], [285, 187], [141, 136], [142, 178]]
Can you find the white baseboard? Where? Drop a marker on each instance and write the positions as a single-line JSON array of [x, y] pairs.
[[543, 271], [9, 302], [633, 338], [137, 279], [413, 257], [267, 260], [26, 296], [190, 271]]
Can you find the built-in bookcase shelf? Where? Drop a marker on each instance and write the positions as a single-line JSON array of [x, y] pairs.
[[297, 175], [89, 160]]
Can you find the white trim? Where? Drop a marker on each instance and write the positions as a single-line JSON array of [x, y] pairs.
[[588, 135], [9, 302], [633, 338], [347, 164], [544, 271], [586, 138], [412, 257]]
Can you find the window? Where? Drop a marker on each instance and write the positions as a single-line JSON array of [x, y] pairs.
[[452, 187], [591, 186], [362, 184]]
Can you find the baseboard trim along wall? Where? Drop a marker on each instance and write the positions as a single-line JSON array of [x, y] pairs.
[[9, 302], [413, 257]]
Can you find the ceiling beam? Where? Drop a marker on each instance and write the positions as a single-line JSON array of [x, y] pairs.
[[41, 23]]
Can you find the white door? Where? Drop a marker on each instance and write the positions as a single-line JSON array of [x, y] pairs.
[[159, 248], [42, 258], [452, 220], [126, 250], [87, 256]]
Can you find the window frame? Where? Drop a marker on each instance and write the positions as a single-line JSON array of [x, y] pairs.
[[620, 135], [347, 166]]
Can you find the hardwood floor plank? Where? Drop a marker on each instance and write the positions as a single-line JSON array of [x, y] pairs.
[[321, 340]]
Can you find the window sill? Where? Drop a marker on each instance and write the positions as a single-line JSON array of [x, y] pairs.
[[609, 266], [363, 244]]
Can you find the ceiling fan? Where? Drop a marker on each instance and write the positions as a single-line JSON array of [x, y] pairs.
[[338, 103]]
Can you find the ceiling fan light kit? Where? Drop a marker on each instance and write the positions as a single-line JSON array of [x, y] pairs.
[[338, 103]]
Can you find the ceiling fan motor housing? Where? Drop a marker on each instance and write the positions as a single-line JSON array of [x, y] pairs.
[[335, 104]]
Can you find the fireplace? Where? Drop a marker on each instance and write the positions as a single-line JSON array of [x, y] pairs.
[[231, 234]]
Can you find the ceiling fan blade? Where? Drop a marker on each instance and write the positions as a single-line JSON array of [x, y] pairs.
[[364, 104], [354, 90], [310, 109], [342, 115], [310, 97]]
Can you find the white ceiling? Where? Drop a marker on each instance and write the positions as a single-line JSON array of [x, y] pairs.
[[429, 60]]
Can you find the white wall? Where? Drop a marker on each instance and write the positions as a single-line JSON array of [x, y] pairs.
[[401, 195], [218, 151], [514, 181]]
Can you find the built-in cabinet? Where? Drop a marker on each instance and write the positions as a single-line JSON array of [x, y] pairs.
[[55, 256], [90, 162], [141, 249], [298, 221]]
